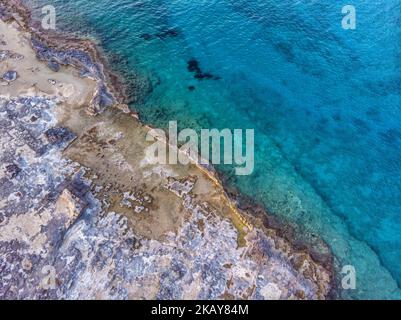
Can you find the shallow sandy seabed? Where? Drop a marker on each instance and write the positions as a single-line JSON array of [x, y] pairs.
[[83, 214]]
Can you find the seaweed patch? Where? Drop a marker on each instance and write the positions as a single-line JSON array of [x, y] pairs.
[[193, 66], [163, 34]]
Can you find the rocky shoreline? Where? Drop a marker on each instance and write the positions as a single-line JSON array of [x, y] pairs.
[[84, 215]]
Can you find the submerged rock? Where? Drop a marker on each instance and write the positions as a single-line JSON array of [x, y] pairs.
[[146, 36], [168, 33], [193, 66]]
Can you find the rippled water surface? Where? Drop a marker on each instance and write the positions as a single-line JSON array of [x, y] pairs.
[[324, 102]]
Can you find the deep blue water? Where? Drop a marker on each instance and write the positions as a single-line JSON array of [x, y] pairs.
[[324, 102]]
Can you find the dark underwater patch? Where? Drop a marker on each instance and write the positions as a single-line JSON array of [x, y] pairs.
[[336, 117], [193, 66], [391, 136], [164, 34], [168, 33], [360, 124], [286, 50], [146, 36]]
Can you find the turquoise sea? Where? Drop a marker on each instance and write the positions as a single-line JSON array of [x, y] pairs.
[[325, 104]]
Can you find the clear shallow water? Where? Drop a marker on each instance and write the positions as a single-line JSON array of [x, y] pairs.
[[324, 102]]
